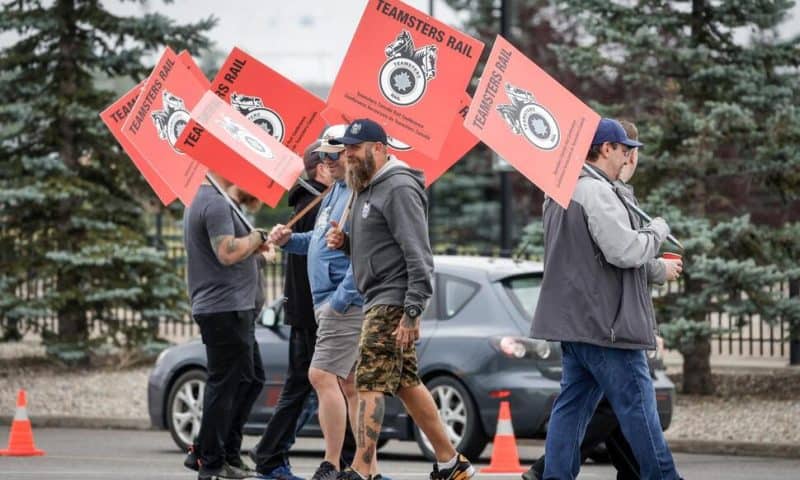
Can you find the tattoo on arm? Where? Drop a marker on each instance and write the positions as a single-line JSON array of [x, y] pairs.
[[215, 241], [231, 246]]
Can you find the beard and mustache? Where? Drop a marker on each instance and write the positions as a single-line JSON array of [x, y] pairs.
[[360, 172]]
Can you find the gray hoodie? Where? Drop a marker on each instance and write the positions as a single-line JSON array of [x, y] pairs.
[[389, 245]]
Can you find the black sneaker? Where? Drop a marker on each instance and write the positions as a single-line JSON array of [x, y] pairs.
[[462, 470], [350, 474], [531, 474], [378, 476], [190, 461], [326, 471], [226, 471]]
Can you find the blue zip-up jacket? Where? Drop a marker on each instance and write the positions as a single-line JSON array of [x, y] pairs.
[[330, 273]]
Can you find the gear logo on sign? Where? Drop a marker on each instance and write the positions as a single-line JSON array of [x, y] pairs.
[[530, 119], [242, 135], [253, 108], [171, 121], [405, 75]]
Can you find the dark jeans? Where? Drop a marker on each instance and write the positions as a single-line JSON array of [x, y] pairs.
[[235, 378], [604, 427], [589, 372], [273, 448]]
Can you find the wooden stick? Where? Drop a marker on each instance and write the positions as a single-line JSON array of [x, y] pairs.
[[313, 203]]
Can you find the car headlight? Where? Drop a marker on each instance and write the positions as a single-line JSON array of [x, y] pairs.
[[521, 347]]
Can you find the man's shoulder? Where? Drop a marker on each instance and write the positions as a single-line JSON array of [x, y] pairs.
[[591, 191]]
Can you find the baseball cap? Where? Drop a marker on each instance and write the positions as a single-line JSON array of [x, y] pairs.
[[329, 133], [310, 158], [360, 131], [610, 130]]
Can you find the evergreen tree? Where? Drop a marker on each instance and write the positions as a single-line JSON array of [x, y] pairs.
[[72, 205]]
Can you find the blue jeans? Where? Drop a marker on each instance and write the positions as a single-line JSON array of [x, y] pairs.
[[623, 376]]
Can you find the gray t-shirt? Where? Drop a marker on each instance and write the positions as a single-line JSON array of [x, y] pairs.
[[213, 287]]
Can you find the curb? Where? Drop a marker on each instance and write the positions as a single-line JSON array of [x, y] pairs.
[[726, 447], [100, 423]]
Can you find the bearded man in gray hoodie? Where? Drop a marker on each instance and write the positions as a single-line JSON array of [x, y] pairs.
[[392, 265]]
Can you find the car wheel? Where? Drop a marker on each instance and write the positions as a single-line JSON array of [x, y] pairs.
[[185, 407], [459, 415]]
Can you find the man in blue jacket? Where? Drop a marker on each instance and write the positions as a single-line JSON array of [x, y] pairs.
[[595, 300], [338, 310]]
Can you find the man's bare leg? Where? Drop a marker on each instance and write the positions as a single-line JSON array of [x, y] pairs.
[[351, 395], [332, 412], [420, 405], [371, 408]]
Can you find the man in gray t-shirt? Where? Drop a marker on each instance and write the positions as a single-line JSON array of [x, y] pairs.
[[222, 279]]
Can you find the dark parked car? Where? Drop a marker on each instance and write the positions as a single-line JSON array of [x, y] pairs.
[[474, 352]]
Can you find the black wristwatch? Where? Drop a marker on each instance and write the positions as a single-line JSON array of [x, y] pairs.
[[264, 236], [413, 311]]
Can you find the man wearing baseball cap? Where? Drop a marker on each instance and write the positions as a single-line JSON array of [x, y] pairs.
[[595, 300], [392, 264]]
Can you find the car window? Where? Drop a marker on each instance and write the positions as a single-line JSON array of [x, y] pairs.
[[524, 293], [457, 293]]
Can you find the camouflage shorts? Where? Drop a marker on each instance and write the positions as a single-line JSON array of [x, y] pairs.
[[383, 366]]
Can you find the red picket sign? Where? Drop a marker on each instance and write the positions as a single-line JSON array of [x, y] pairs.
[[157, 119], [532, 121], [114, 116], [282, 108], [402, 70], [219, 137], [459, 141]]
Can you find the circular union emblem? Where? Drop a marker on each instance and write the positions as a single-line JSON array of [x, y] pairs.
[[175, 124], [402, 81], [397, 144], [269, 121], [539, 126]]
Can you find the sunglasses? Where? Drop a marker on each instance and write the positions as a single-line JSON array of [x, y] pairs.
[[332, 155]]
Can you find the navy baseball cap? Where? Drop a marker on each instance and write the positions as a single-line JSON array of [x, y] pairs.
[[610, 130], [360, 131]]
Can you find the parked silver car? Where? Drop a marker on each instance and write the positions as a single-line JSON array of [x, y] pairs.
[[474, 352]]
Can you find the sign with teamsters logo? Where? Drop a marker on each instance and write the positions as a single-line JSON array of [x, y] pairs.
[[459, 141], [160, 115], [403, 69], [532, 121], [280, 107], [114, 116], [241, 151]]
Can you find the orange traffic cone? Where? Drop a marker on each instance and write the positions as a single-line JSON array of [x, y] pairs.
[[20, 439], [505, 457]]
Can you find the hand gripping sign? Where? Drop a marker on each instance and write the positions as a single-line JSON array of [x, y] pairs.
[[157, 119], [276, 104], [403, 69], [218, 136], [458, 142], [114, 116], [532, 121]]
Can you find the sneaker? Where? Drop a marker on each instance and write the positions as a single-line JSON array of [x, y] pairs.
[[462, 470], [239, 463], [282, 472], [190, 461], [350, 474], [326, 471], [531, 475], [225, 471], [378, 476]]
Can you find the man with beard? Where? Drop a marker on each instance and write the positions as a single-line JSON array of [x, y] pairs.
[[392, 263], [222, 278], [337, 307]]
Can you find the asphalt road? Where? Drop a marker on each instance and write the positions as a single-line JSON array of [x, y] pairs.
[[127, 455]]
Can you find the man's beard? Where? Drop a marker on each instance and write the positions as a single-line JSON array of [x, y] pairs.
[[360, 173]]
